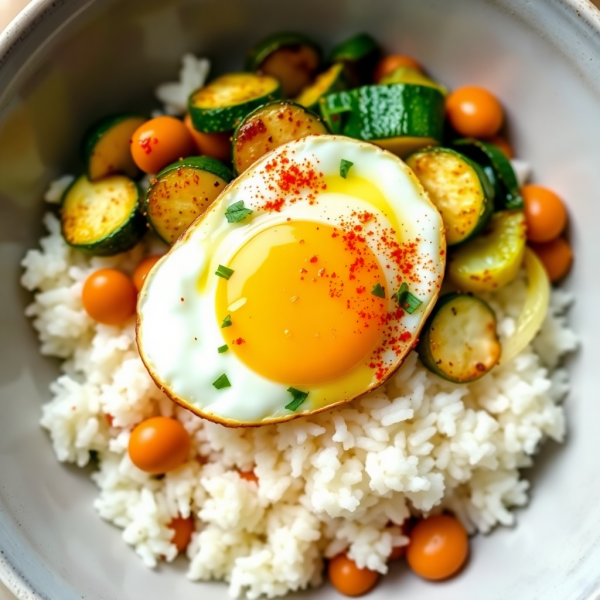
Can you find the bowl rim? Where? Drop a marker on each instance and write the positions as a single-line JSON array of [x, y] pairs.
[[17, 31]]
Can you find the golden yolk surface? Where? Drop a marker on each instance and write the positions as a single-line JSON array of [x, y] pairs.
[[301, 304]]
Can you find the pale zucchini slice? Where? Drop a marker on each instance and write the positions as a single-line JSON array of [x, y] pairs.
[[459, 189], [492, 259], [410, 75], [328, 82], [459, 341]]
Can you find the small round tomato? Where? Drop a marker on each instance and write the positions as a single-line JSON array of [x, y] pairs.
[[389, 64], [160, 142], [556, 256], [249, 476], [159, 445], [142, 270], [109, 297], [183, 528], [545, 212], [348, 579], [503, 144], [216, 145], [398, 552], [474, 112], [438, 547]]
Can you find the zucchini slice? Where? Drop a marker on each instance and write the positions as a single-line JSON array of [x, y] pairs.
[[106, 146], [498, 169], [102, 217], [183, 191], [459, 341], [223, 103], [359, 55], [459, 189], [331, 80], [410, 75], [387, 115], [292, 58], [492, 259], [269, 127]]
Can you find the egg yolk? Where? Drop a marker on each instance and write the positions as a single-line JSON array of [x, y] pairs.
[[301, 302]]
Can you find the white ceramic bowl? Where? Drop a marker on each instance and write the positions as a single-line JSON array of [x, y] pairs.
[[64, 62]]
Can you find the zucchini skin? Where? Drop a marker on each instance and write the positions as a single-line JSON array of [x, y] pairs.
[[424, 346], [203, 163], [359, 55], [337, 83], [121, 239], [274, 42]]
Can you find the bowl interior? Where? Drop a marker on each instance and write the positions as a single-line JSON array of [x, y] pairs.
[[75, 61]]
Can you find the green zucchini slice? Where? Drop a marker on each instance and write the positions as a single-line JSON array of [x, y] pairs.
[[106, 146], [398, 117], [492, 259], [459, 341], [459, 189], [498, 169], [410, 75], [223, 103], [292, 58], [331, 80], [359, 55], [269, 127], [182, 192], [102, 217]]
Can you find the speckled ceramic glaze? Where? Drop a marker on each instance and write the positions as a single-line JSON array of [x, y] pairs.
[[64, 62]]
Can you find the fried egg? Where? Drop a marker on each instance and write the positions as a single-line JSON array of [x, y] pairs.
[[304, 286]]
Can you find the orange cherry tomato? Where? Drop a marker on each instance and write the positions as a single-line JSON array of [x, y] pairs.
[[348, 579], [160, 142], [398, 552], [109, 297], [109, 419], [545, 213], [503, 144], [183, 528], [556, 256], [142, 270], [216, 145], [474, 112], [249, 476], [438, 547], [389, 64], [159, 445]]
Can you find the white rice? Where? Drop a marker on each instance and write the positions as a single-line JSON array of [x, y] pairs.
[[342, 480]]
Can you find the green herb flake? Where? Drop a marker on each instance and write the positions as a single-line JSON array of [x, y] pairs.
[[237, 212], [298, 398], [224, 272], [407, 301], [226, 322], [378, 291], [222, 349], [345, 166], [222, 382]]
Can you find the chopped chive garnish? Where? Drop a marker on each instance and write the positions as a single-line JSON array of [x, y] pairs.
[[409, 302], [237, 212], [345, 167], [222, 348], [299, 398], [226, 322], [222, 382], [224, 272], [378, 291]]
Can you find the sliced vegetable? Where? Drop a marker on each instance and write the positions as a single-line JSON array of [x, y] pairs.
[[159, 142], [389, 64], [348, 579], [398, 117], [109, 296], [459, 340], [410, 75], [102, 218], [328, 82], [292, 58], [223, 103], [556, 256], [182, 192], [215, 145], [503, 144], [106, 146], [545, 213], [221, 382], [359, 55], [345, 166], [298, 398], [269, 127], [459, 189], [474, 112], [534, 309], [492, 259], [498, 169], [237, 212]]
